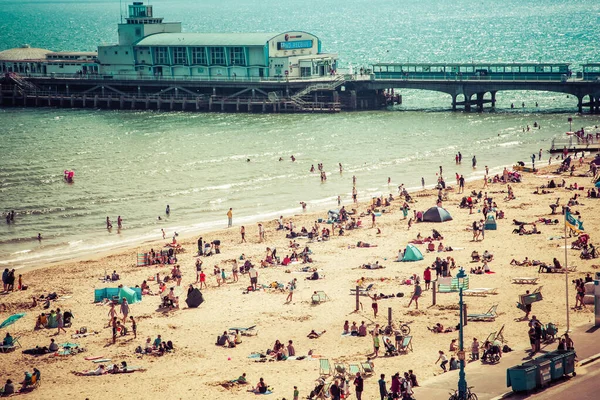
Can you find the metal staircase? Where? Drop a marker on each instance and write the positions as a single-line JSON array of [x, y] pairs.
[[300, 103]]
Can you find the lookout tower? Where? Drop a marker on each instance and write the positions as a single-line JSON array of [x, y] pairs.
[[140, 22]]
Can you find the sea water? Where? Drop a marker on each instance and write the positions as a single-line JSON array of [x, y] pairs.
[[134, 163]]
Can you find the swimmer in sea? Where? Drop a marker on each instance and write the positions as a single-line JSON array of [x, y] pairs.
[[40, 237], [293, 158], [168, 210], [341, 169]]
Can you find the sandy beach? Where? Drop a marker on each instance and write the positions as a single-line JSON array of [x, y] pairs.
[[197, 367]]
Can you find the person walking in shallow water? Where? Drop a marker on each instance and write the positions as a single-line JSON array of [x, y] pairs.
[[474, 162], [108, 223], [230, 218]]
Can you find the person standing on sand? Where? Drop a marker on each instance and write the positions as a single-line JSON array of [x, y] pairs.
[[243, 234], [202, 279], [253, 274], [427, 278], [296, 393], [461, 184], [382, 387], [415, 296], [234, 272], [60, 322], [354, 194], [261, 233], [292, 288], [358, 386], [133, 327], [374, 304], [339, 200], [124, 309], [230, 218], [375, 346], [200, 248], [112, 313], [373, 220]]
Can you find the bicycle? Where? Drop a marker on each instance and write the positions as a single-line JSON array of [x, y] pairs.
[[404, 328], [468, 395]]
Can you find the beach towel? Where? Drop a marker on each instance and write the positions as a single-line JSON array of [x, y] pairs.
[[267, 392]]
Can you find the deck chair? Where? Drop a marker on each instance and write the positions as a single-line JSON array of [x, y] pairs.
[[324, 393], [481, 292], [319, 297], [490, 315], [367, 369], [353, 369], [406, 345], [340, 370], [8, 348], [324, 367], [249, 331], [362, 292]]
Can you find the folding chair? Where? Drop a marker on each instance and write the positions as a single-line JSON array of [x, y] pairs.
[[362, 292], [340, 370], [367, 368], [354, 369]]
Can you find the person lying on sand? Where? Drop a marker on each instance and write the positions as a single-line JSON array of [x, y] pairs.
[[101, 370], [525, 263], [315, 335]]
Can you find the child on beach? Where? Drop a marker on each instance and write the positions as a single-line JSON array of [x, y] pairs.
[[443, 359]]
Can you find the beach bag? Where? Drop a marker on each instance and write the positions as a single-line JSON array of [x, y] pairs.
[[506, 349]]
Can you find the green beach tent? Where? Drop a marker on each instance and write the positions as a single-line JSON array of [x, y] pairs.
[[412, 254], [129, 294]]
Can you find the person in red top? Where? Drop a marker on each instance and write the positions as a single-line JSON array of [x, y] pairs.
[[427, 277], [202, 279]]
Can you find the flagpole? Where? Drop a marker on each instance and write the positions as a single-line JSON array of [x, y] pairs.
[[566, 275]]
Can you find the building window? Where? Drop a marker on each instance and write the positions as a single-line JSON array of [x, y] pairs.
[[116, 52], [199, 56], [160, 56], [217, 56], [179, 56], [237, 56], [138, 32]]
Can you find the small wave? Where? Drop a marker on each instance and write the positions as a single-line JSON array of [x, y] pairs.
[[510, 144]]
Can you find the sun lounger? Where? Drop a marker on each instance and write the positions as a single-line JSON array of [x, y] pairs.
[[8, 348], [324, 367], [362, 292], [319, 297], [406, 345], [482, 292], [249, 331], [367, 369], [353, 369], [490, 315], [525, 280]]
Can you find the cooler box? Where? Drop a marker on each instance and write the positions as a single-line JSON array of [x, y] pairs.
[[522, 377], [543, 376], [556, 364]]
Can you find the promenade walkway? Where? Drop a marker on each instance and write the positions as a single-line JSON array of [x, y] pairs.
[[489, 381]]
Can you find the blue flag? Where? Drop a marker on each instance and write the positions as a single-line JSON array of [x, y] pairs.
[[573, 223]]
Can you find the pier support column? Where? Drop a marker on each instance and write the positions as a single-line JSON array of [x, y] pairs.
[[580, 104], [197, 103], [264, 106], [37, 100], [353, 102], [454, 102], [336, 97], [468, 102], [49, 100], [315, 98], [62, 98], [84, 100], [237, 105], [120, 102], [223, 105], [250, 105], [171, 104], [72, 101], [133, 101], [480, 102], [147, 102], [210, 101], [493, 99]]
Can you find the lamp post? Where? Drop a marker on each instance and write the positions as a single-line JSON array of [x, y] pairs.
[[462, 382]]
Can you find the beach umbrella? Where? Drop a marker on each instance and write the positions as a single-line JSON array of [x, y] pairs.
[[11, 320], [437, 214], [194, 298], [412, 253]]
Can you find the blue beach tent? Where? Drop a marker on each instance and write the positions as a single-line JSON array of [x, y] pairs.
[[436, 214], [133, 295], [411, 253]]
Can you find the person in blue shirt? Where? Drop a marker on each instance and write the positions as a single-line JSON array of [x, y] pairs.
[[382, 390]]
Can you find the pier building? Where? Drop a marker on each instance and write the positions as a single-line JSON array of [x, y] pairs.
[[149, 47]]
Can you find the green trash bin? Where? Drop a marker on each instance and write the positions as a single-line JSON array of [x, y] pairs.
[[522, 378], [568, 361], [543, 376], [556, 364]]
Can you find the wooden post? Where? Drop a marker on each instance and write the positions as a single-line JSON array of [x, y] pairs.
[[390, 317], [357, 299], [464, 314], [434, 290]]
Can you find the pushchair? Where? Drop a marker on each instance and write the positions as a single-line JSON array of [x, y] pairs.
[[491, 355], [390, 349]]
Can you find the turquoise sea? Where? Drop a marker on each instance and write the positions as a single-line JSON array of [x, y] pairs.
[[135, 163]]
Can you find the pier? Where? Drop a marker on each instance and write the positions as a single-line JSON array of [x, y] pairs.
[[343, 92]]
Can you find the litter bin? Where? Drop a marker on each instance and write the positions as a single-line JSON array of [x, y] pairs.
[[556, 364], [568, 361], [543, 376], [522, 377]]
